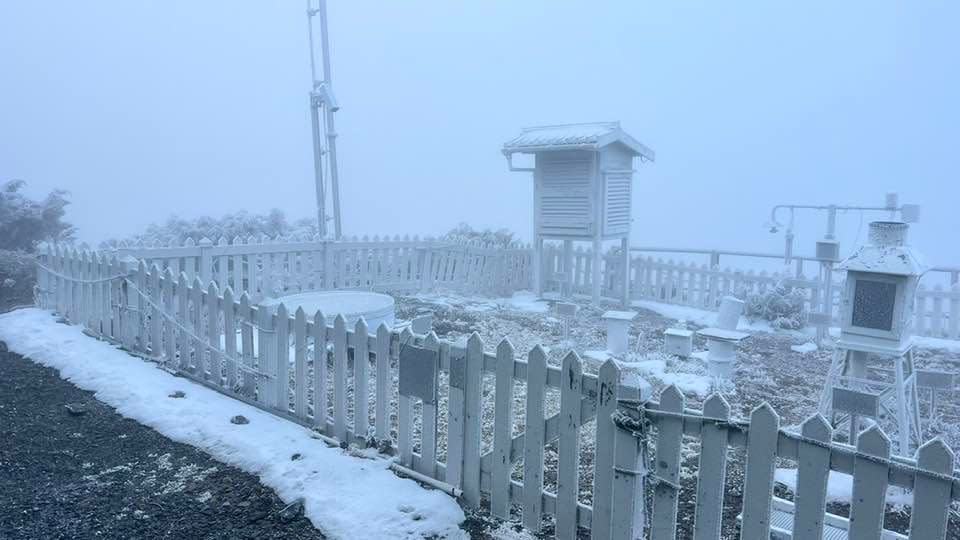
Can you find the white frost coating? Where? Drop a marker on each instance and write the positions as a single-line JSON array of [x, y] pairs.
[[519, 301], [698, 316], [345, 497], [375, 308], [840, 487], [805, 348]]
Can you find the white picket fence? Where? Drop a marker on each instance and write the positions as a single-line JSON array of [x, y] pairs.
[[349, 385], [937, 309], [271, 268]]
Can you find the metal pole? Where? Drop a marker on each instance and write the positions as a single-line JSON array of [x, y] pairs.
[[831, 222], [318, 169], [321, 96], [330, 128]]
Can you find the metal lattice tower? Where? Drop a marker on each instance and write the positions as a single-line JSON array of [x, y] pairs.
[[322, 106]]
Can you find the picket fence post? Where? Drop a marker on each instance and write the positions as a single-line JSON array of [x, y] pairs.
[[503, 432], [712, 469], [813, 459], [384, 383], [758, 477], [667, 479], [300, 363], [340, 378], [608, 382], [472, 419], [361, 383], [320, 340], [569, 447], [869, 484]]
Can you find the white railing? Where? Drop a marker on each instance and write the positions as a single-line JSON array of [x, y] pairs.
[[937, 311], [299, 366], [271, 268]]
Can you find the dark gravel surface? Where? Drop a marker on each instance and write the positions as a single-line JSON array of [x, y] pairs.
[[99, 475]]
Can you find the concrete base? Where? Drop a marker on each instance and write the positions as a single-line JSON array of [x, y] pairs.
[[721, 361], [678, 341]]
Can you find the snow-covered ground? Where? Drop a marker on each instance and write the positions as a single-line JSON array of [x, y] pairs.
[[344, 496]]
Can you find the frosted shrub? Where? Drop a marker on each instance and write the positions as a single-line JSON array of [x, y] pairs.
[[465, 233], [781, 305], [17, 278], [240, 224]]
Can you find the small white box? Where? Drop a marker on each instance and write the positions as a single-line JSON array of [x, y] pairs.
[[678, 341]]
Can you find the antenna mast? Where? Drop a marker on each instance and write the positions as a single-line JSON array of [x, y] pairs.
[[322, 106]]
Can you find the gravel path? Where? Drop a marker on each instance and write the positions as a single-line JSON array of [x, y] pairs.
[[99, 475]]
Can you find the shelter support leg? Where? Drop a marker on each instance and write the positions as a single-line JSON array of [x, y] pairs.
[[625, 252], [597, 277]]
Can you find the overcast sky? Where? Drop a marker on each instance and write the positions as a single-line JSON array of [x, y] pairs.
[[144, 109]]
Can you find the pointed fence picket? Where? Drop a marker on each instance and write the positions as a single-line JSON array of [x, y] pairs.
[[243, 350]]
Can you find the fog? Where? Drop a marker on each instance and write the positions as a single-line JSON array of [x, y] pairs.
[[146, 109]]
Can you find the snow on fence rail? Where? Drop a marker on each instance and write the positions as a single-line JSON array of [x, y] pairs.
[[323, 375], [937, 309], [265, 268]]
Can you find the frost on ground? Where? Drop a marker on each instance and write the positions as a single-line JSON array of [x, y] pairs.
[[779, 367], [344, 496]]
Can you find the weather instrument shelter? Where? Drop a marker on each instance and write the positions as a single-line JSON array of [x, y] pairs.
[[876, 317], [582, 177]]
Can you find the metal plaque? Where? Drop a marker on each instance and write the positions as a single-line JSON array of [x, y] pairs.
[[855, 402], [566, 309], [458, 367], [937, 380], [418, 373]]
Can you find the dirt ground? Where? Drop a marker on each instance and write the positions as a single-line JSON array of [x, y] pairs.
[[98, 475]]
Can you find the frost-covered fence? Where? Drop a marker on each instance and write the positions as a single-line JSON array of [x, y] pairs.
[[938, 311], [265, 268], [702, 286], [483, 426], [672, 282], [931, 477]]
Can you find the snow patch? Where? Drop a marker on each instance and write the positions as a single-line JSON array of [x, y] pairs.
[[701, 317], [690, 378], [840, 487], [807, 347], [345, 497]]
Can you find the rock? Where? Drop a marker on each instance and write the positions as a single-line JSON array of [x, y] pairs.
[[256, 516], [385, 447], [296, 456], [344, 445], [292, 511], [239, 420], [76, 409], [177, 394]]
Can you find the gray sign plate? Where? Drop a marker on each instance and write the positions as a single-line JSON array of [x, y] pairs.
[[854, 402], [938, 380], [418, 373], [458, 367], [566, 309]]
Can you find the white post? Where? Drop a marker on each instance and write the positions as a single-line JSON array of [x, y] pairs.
[[618, 330], [597, 278], [730, 310], [625, 246], [537, 266], [206, 259]]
